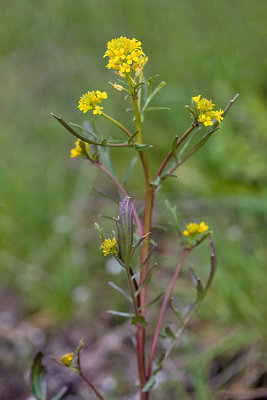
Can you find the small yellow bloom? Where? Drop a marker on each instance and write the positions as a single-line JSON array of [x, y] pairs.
[[91, 100], [67, 358], [217, 115], [206, 112], [196, 98], [80, 150], [109, 246], [205, 119], [125, 55], [193, 229], [202, 227]]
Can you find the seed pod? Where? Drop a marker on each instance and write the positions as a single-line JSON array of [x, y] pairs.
[[125, 230]]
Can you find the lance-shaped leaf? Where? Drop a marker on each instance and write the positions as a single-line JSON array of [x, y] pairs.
[[149, 384], [38, 378], [125, 230], [120, 290], [60, 394], [175, 310], [197, 282], [120, 314]]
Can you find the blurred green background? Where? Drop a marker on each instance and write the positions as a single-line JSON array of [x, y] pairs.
[[53, 279]]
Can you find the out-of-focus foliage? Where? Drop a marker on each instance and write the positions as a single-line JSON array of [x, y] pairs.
[[51, 53]]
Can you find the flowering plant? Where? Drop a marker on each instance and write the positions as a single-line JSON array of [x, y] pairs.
[[127, 59]]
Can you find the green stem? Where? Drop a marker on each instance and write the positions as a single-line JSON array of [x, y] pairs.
[[118, 124]]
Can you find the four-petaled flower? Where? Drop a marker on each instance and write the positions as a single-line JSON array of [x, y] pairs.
[[67, 358], [193, 229], [90, 101], [109, 246], [81, 149], [125, 55], [206, 112]]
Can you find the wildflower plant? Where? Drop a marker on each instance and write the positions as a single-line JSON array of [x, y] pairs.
[[127, 58]]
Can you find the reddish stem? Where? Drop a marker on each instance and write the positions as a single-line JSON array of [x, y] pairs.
[[89, 383], [163, 309], [123, 192], [169, 155]]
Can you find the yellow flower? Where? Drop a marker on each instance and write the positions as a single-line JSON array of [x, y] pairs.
[[196, 98], [217, 115], [206, 113], [80, 150], [109, 246], [90, 101], [193, 229], [125, 55], [67, 358], [202, 227], [206, 119]]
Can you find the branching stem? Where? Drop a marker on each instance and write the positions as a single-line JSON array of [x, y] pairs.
[[163, 309]]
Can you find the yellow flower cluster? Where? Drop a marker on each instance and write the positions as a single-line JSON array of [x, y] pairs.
[[80, 150], [90, 101], [125, 55], [109, 246], [193, 229], [67, 358], [206, 112]]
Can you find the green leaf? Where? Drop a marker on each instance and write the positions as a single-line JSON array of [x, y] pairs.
[[169, 333], [105, 194], [147, 279], [157, 109], [192, 111], [175, 310], [173, 211], [38, 378], [100, 231], [197, 282], [129, 170], [153, 94], [149, 384], [152, 301], [60, 394], [72, 131], [120, 290], [133, 136], [141, 319], [141, 146], [89, 131], [120, 314], [108, 217], [106, 159], [140, 240], [156, 182], [141, 266]]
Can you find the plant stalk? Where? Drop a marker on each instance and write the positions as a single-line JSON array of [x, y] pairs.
[[163, 309], [141, 331], [89, 383]]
